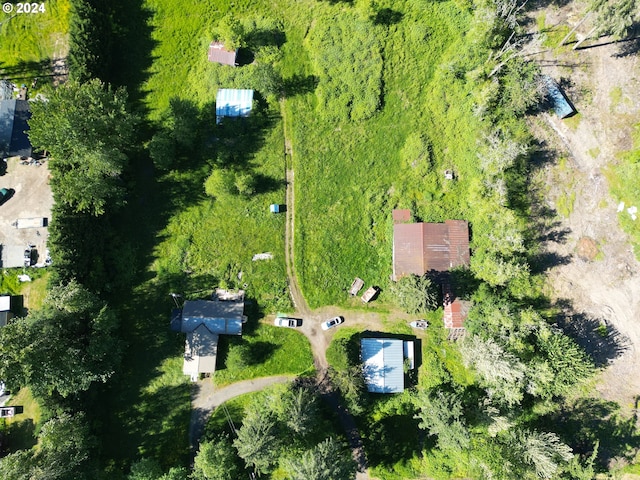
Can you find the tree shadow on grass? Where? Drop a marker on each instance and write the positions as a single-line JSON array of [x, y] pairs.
[[265, 37], [260, 352], [245, 57], [299, 85], [27, 69], [265, 184], [392, 439], [22, 435], [161, 420], [387, 17], [132, 46]]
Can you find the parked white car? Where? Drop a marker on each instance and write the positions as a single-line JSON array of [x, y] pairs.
[[332, 322], [287, 322]]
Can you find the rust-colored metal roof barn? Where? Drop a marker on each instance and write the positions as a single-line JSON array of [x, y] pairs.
[[219, 54], [419, 248]]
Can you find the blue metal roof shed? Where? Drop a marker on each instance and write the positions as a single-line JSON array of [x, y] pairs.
[[233, 103], [382, 360]]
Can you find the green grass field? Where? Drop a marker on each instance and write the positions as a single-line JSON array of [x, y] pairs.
[[351, 174], [31, 40], [267, 351]]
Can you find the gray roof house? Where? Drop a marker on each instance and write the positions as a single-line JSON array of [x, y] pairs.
[[13, 125], [204, 321]]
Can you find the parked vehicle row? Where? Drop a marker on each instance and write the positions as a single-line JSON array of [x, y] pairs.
[[290, 322]]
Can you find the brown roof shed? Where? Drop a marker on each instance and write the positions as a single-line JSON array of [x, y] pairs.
[[219, 54], [455, 310]]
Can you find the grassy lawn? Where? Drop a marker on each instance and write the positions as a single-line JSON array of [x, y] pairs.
[[624, 188], [35, 291], [22, 429], [265, 351], [218, 422]]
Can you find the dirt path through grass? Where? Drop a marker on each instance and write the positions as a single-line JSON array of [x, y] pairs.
[[318, 339]]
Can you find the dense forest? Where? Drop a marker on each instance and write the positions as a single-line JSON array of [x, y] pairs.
[[368, 102]]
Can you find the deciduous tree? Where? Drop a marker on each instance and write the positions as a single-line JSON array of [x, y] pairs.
[[69, 344], [87, 129], [231, 32], [216, 460]]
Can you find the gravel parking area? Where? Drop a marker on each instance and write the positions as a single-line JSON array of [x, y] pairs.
[[31, 198]]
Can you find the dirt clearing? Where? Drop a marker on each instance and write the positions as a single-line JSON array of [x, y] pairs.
[[593, 273], [30, 198]]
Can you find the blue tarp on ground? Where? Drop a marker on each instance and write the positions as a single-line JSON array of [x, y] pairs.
[[561, 104], [233, 103]]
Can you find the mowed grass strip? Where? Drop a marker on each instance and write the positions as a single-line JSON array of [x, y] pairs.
[[21, 429], [30, 41]]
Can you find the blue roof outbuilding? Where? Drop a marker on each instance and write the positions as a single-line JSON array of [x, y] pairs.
[[233, 103], [383, 360]]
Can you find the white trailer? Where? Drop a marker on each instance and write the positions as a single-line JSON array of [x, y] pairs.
[[36, 222]]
